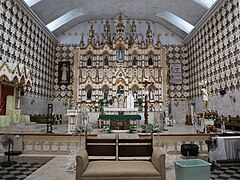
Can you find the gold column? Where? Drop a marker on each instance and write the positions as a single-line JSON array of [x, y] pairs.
[[165, 78], [75, 79]]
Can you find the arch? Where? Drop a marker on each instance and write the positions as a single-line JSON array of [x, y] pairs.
[[15, 80], [5, 78], [22, 80]]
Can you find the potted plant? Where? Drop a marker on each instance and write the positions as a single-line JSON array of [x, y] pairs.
[[83, 128], [106, 128], [152, 128], [132, 128]]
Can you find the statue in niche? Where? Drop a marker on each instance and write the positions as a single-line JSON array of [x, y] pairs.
[[151, 94], [120, 89], [89, 61], [89, 94], [134, 61], [105, 61], [135, 94], [120, 53], [105, 94], [150, 61]]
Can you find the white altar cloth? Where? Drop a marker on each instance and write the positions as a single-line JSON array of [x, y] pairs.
[[225, 148], [120, 109]]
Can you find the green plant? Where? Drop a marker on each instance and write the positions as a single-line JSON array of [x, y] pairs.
[[152, 128], [132, 128], [83, 128]]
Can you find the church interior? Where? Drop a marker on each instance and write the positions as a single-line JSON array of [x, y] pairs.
[[114, 89]]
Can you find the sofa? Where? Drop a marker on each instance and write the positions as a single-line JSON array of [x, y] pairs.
[[121, 170]]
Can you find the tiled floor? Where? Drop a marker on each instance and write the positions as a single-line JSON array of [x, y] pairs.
[[56, 170], [18, 171], [228, 172]]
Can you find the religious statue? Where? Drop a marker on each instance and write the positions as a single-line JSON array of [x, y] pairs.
[[89, 94], [205, 95], [120, 90], [105, 94], [89, 62], [64, 70], [105, 61], [121, 101], [130, 101], [91, 33], [151, 94], [120, 53], [149, 32], [134, 61], [133, 27]]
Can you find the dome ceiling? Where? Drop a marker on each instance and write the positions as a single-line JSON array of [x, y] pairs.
[[179, 16]]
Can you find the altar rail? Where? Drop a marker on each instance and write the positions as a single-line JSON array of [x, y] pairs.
[[57, 144]]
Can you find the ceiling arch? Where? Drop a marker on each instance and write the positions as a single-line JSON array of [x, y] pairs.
[[168, 13]]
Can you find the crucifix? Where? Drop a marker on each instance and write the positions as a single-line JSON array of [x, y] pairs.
[[145, 83]]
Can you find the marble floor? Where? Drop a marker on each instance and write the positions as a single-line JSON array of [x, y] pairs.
[[56, 170]]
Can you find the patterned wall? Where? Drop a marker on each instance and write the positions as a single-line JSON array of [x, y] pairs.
[[63, 53], [25, 41], [178, 54], [214, 51]]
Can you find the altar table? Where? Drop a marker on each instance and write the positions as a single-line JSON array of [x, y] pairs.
[[120, 122]]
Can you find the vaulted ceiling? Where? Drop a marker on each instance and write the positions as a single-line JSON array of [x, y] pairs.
[[179, 16]]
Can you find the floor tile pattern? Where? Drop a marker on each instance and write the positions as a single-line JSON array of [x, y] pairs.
[[18, 171], [228, 172]]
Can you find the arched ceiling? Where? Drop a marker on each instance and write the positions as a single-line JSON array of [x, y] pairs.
[[169, 13]]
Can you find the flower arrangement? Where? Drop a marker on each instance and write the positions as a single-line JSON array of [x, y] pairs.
[[199, 114], [83, 128], [210, 114]]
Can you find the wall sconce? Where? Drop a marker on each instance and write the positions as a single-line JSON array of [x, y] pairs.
[[32, 101], [232, 98]]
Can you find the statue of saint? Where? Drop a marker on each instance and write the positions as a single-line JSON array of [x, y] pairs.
[[64, 77], [205, 95], [89, 94], [105, 94]]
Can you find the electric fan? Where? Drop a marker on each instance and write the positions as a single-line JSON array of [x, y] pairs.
[[8, 144]]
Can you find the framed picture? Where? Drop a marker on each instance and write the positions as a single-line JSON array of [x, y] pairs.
[[64, 73], [175, 73]]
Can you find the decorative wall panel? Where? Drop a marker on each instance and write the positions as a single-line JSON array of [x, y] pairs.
[[214, 51], [177, 54], [24, 41]]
